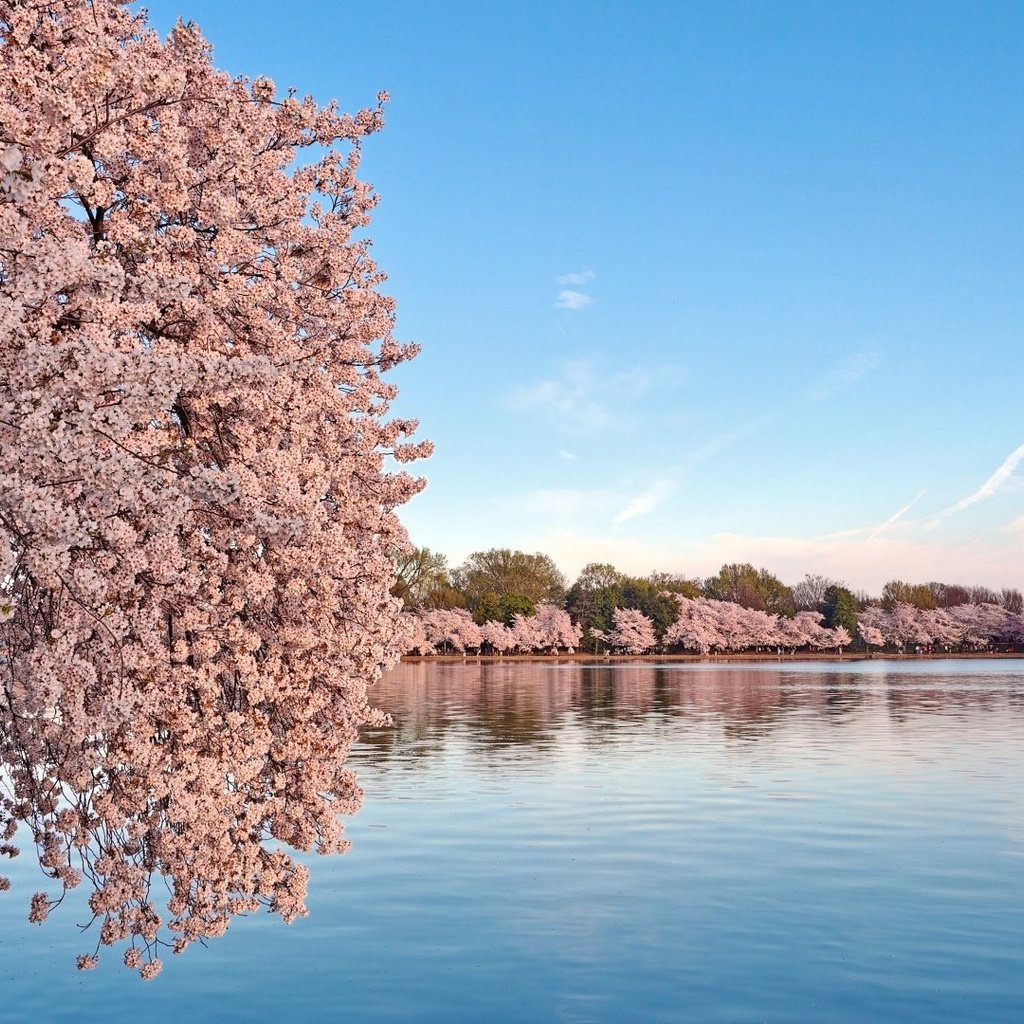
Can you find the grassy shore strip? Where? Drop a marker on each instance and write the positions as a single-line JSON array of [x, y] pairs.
[[710, 659]]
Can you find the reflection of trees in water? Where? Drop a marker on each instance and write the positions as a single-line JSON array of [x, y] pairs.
[[750, 705], [844, 695], [908, 697], [600, 700], [497, 705]]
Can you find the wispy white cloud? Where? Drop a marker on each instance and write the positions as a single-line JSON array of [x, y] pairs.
[[583, 399], [575, 400], [563, 454], [569, 299], [896, 516], [644, 502], [853, 368], [579, 277], [565, 502], [993, 484]]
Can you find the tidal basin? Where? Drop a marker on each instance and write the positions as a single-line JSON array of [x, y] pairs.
[[684, 842]]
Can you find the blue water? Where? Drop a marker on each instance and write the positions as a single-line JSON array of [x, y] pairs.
[[807, 843]]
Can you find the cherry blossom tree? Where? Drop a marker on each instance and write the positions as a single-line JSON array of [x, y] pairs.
[[497, 636], [525, 633], [966, 626], [1015, 628], [415, 634], [696, 627], [904, 625], [451, 629], [871, 635], [632, 631], [871, 627], [197, 489], [550, 629], [762, 629], [556, 630], [810, 627], [840, 638], [981, 624], [729, 624], [790, 634], [941, 627]]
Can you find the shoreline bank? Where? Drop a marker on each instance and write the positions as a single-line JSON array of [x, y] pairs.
[[709, 659]]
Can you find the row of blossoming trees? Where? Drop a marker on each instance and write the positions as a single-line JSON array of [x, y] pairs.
[[707, 626], [702, 625], [960, 627], [504, 602]]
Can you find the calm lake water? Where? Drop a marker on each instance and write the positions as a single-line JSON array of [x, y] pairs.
[[784, 843]]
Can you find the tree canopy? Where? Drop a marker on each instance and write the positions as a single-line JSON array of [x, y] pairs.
[[754, 588], [920, 595], [839, 607], [500, 573], [809, 593], [197, 514], [421, 577]]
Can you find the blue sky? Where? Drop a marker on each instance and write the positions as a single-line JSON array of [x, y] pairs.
[[695, 282]]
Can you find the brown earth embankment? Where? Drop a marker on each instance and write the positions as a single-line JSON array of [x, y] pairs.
[[714, 659]]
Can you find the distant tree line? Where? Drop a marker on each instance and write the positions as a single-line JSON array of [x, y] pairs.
[[501, 601]]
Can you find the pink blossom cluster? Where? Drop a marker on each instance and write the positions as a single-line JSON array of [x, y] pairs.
[[632, 632], [197, 489], [449, 630], [962, 627], [453, 631], [706, 626]]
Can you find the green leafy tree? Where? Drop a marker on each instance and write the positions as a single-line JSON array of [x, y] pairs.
[[494, 607], [446, 596], [742, 584], [505, 573], [949, 595], [648, 597], [839, 607], [418, 573], [594, 596], [601, 588], [673, 584], [920, 595]]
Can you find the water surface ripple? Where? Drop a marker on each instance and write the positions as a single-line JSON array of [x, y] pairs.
[[806, 843]]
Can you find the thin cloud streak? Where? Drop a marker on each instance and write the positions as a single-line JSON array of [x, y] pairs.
[[895, 517], [645, 501], [726, 439], [993, 484]]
